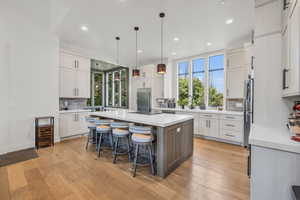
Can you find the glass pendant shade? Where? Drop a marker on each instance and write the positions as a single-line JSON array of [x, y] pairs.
[[135, 72], [161, 68]]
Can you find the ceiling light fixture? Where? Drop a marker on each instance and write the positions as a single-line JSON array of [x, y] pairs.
[[136, 71], [174, 53], [208, 43], [84, 28], [222, 2], [117, 74], [162, 68], [176, 39], [229, 21], [140, 51]]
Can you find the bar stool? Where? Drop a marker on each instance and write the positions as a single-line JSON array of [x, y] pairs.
[[103, 129], [142, 137], [119, 132], [92, 129]]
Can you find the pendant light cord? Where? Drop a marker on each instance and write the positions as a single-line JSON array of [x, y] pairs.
[[136, 49], [118, 59], [161, 54]]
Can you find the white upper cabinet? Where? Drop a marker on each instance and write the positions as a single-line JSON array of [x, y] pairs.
[[68, 60], [235, 83], [74, 76], [291, 52], [237, 58], [238, 65], [67, 83]]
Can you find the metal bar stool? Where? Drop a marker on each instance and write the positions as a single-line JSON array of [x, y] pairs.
[[119, 132], [92, 130], [103, 129], [142, 137]]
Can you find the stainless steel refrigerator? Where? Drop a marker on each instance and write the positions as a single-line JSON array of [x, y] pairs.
[[248, 109], [144, 100]]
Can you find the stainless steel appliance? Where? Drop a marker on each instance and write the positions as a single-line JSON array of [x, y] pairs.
[[248, 108], [144, 100]]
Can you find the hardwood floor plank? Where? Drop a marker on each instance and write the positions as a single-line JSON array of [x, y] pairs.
[[4, 184], [68, 172], [16, 177]]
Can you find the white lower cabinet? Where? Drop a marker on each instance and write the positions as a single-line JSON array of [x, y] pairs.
[[209, 127], [71, 124], [225, 127]]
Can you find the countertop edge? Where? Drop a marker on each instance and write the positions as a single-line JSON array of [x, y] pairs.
[[188, 117], [279, 140], [202, 111]]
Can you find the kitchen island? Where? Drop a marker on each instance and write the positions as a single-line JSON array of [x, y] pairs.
[[173, 136]]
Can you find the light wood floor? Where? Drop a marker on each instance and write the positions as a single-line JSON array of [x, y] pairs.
[[216, 171]]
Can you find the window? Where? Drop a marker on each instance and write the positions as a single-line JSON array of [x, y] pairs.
[[124, 88], [206, 81], [198, 81], [216, 80], [116, 90], [110, 89], [98, 89], [183, 83]]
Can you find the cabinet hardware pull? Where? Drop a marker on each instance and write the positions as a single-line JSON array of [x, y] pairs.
[[227, 117], [284, 86], [229, 135], [230, 125], [75, 64]]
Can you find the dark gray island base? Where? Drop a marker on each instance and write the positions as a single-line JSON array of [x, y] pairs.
[[174, 146], [173, 136]]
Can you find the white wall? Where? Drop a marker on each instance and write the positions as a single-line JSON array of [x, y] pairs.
[[28, 73]]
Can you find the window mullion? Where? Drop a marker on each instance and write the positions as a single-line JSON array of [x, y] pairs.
[[206, 94]]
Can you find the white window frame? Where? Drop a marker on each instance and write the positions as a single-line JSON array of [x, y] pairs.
[[206, 79]]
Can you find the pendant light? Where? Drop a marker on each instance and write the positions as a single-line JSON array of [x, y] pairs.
[[161, 68], [117, 73], [136, 71]]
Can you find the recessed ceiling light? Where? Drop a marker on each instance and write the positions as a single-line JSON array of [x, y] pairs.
[[222, 2], [229, 21], [176, 39], [208, 43], [140, 51], [84, 28], [174, 53]]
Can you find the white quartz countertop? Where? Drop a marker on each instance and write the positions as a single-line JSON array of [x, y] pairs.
[[73, 111], [161, 120], [270, 137], [201, 111]]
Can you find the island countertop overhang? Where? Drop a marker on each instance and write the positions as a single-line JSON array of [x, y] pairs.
[[159, 120]]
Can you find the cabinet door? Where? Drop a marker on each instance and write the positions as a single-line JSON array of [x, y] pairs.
[[203, 126], [67, 60], [83, 84], [236, 59], [173, 145], [63, 125], [213, 128], [83, 64], [67, 83], [294, 43], [235, 83], [82, 120]]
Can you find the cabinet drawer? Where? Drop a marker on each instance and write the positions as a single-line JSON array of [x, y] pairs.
[[232, 125], [208, 116], [232, 117], [231, 135]]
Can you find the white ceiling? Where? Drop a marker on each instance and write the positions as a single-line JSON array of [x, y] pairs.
[[194, 22]]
